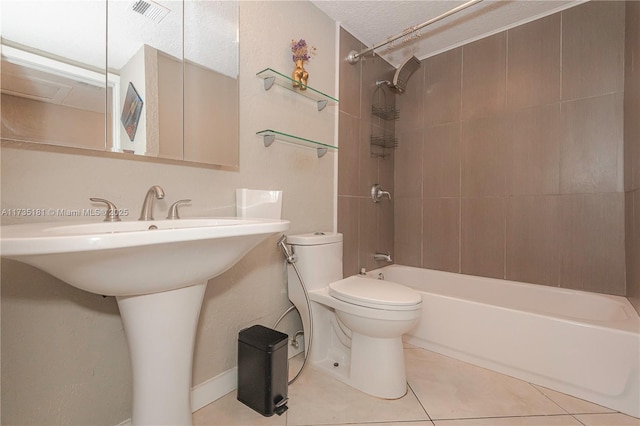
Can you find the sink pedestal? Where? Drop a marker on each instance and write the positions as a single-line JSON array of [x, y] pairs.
[[161, 330]]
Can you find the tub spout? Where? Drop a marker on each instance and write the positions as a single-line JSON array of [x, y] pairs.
[[383, 257]]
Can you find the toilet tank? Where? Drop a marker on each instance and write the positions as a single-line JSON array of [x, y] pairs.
[[319, 258]]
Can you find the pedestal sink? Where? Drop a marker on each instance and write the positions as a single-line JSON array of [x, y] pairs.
[[158, 271]]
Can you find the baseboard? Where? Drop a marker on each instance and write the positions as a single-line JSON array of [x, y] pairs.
[[215, 388]]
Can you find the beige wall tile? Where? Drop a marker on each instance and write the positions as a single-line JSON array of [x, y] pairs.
[[632, 96], [592, 49], [483, 236], [386, 172], [592, 242], [441, 234], [484, 73], [441, 161], [384, 237], [411, 102], [484, 157], [533, 239], [534, 151], [368, 233], [592, 145], [408, 231], [442, 87], [348, 154], [533, 67], [348, 218], [408, 165], [632, 246], [632, 150], [368, 164], [350, 76], [632, 140]]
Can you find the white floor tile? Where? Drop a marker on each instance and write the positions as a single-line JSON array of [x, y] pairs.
[[513, 421], [316, 398], [573, 405], [453, 393], [228, 411], [418, 423], [451, 389], [610, 419]]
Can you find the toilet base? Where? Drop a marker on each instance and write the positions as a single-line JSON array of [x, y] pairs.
[[377, 366], [373, 366]]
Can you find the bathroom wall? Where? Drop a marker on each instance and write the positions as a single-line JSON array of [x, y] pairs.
[[632, 150], [510, 162], [64, 355], [367, 226]]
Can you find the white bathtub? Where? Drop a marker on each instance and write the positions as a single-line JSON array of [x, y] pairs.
[[579, 343]]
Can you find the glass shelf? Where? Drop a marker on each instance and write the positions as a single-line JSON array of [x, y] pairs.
[[271, 77], [269, 136]]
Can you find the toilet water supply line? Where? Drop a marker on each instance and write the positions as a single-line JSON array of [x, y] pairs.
[[291, 260]]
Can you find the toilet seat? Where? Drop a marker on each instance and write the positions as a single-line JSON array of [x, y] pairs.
[[376, 294]]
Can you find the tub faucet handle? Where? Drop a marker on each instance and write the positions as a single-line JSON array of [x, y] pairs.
[[377, 193]]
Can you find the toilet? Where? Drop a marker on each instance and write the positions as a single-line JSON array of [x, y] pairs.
[[357, 323]]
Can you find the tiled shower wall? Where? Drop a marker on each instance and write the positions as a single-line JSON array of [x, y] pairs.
[[510, 162], [367, 226], [514, 161], [632, 150]]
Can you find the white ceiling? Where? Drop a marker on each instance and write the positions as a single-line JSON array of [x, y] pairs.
[[373, 21], [54, 25], [77, 31]]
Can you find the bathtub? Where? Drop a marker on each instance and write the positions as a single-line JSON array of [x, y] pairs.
[[583, 344]]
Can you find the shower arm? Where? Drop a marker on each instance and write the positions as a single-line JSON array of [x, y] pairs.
[[353, 56]]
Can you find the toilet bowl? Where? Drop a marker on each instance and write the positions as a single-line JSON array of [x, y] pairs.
[[358, 322]]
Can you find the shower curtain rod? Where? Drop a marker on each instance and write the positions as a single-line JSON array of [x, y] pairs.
[[354, 56]]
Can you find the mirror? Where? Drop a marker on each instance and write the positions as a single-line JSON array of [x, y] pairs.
[[166, 88]]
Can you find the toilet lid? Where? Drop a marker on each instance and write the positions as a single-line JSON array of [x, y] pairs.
[[378, 294]]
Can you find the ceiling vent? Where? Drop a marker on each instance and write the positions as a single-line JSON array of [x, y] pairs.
[[150, 9]]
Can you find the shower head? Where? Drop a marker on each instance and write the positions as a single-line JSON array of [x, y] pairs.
[[403, 73]]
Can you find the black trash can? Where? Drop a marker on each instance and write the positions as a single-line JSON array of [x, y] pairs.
[[263, 370]]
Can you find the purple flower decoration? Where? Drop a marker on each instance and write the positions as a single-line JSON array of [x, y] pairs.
[[300, 50]]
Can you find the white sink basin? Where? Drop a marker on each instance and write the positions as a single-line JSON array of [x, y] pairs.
[[158, 271], [129, 258]]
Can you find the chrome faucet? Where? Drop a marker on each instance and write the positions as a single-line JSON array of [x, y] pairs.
[[147, 206]]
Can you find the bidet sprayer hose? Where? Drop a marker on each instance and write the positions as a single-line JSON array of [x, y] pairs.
[[291, 260]]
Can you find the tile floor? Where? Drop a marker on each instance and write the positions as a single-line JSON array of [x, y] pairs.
[[442, 392]]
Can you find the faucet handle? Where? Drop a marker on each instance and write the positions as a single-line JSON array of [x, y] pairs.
[[377, 193], [173, 210], [112, 210]]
